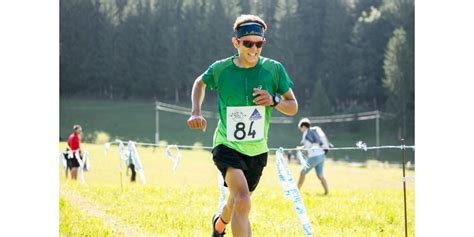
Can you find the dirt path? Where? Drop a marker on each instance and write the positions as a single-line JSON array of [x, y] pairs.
[[90, 208]]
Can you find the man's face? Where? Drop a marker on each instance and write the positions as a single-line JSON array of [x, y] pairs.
[[249, 56], [302, 129]]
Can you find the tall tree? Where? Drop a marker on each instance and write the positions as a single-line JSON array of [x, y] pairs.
[[333, 68], [369, 38], [399, 80], [285, 40], [82, 29], [146, 49], [320, 104], [245, 6], [309, 31]]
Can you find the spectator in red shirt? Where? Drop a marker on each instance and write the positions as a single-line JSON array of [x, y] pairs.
[[74, 145]]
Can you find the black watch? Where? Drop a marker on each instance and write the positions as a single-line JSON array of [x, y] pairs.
[[276, 100]]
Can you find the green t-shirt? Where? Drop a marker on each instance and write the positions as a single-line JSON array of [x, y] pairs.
[[234, 87]]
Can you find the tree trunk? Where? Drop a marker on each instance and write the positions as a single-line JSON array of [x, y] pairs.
[[176, 95]]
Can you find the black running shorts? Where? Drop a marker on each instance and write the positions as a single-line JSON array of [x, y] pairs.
[[72, 162], [252, 166]]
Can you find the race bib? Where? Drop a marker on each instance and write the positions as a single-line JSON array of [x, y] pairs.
[[245, 123]]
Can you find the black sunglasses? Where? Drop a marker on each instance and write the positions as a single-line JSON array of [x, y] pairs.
[[249, 44]]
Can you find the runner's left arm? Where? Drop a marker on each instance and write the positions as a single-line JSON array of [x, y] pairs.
[[288, 104]]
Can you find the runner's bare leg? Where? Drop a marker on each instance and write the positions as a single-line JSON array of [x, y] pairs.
[[239, 192]]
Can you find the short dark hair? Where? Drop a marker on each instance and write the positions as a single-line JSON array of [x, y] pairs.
[[305, 124], [76, 127]]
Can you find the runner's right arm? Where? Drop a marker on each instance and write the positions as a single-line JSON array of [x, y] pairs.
[[196, 120]]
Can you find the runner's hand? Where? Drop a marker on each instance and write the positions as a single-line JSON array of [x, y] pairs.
[[262, 97], [197, 122]]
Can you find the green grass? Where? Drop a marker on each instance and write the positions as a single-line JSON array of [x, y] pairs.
[[363, 201], [73, 222], [136, 121]]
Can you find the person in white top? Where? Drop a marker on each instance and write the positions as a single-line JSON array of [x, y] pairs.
[[316, 154]]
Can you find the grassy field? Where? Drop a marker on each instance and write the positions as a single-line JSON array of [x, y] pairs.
[[363, 201], [136, 121]]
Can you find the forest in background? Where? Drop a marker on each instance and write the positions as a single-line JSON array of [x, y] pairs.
[[344, 56]]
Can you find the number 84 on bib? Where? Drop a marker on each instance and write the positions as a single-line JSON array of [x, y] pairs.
[[245, 123]]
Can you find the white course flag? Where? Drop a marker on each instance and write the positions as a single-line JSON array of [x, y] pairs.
[[106, 148], [81, 166], [176, 159], [291, 191], [223, 192], [121, 151], [63, 160], [361, 145], [133, 154], [86, 160], [300, 157]]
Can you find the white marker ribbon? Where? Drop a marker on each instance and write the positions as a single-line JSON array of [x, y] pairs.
[[106, 148], [133, 153], [361, 145], [222, 194], [291, 191], [81, 166], [63, 160], [176, 159], [303, 162], [86, 160], [122, 154]]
